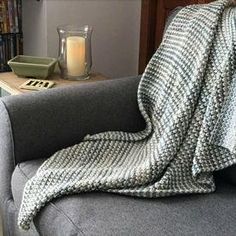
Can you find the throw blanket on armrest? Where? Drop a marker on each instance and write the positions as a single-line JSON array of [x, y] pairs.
[[181, 96]]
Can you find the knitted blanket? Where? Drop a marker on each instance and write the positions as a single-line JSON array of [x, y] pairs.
[[185, 96]]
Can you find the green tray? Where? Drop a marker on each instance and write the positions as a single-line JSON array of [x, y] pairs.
[[35, 67]]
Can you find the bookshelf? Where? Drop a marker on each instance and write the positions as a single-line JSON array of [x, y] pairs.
[[11, 37]]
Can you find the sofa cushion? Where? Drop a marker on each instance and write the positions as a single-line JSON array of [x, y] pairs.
[[109, 214]]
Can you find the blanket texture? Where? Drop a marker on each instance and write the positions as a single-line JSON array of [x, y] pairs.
[[185, 97]]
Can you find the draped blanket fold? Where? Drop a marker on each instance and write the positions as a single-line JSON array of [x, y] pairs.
[[187, 98]]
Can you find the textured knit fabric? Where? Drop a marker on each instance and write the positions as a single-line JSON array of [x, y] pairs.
[[180, 96], [224, 133]]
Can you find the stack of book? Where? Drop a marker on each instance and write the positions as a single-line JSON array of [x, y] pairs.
[[10, 31]]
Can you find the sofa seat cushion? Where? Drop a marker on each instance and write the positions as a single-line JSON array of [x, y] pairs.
[[109, 214]]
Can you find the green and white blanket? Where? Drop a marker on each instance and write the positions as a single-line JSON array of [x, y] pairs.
[[187, 98]]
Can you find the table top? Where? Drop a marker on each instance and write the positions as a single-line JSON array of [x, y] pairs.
[[11, 82]]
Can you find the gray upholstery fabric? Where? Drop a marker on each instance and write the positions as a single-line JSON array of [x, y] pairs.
[[36, 125], [94, 213], [62, 117], [6, 165], [109, 214], [7, 208]]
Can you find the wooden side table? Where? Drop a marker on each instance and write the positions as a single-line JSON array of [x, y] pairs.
[[10, 83]]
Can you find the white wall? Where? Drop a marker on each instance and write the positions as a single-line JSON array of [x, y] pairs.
[[115, 40], [34, 27]]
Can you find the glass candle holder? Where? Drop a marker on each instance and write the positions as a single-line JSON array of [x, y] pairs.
[[75, 56]]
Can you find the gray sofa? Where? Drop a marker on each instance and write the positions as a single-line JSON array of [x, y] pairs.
[[33, 126]]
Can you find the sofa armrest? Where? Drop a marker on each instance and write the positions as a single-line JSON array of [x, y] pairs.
[[7, 160], [36, 125], [41, 123]]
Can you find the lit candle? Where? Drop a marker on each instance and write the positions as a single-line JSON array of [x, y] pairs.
[[75, 55]]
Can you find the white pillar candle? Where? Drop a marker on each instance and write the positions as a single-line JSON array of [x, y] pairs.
[[75, 55]]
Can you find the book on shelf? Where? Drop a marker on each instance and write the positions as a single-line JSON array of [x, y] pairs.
[[10, 31], [10, 45], [10, 16]]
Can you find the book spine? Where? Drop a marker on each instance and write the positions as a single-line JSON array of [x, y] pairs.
[[15, 10], [6, 48], [4, 51], [10, 16], [21, 44], [4, 15], [12, 49], [18, 44], [7, 18], [1, 54], [1, 16], [19, 15], [11, 38]]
